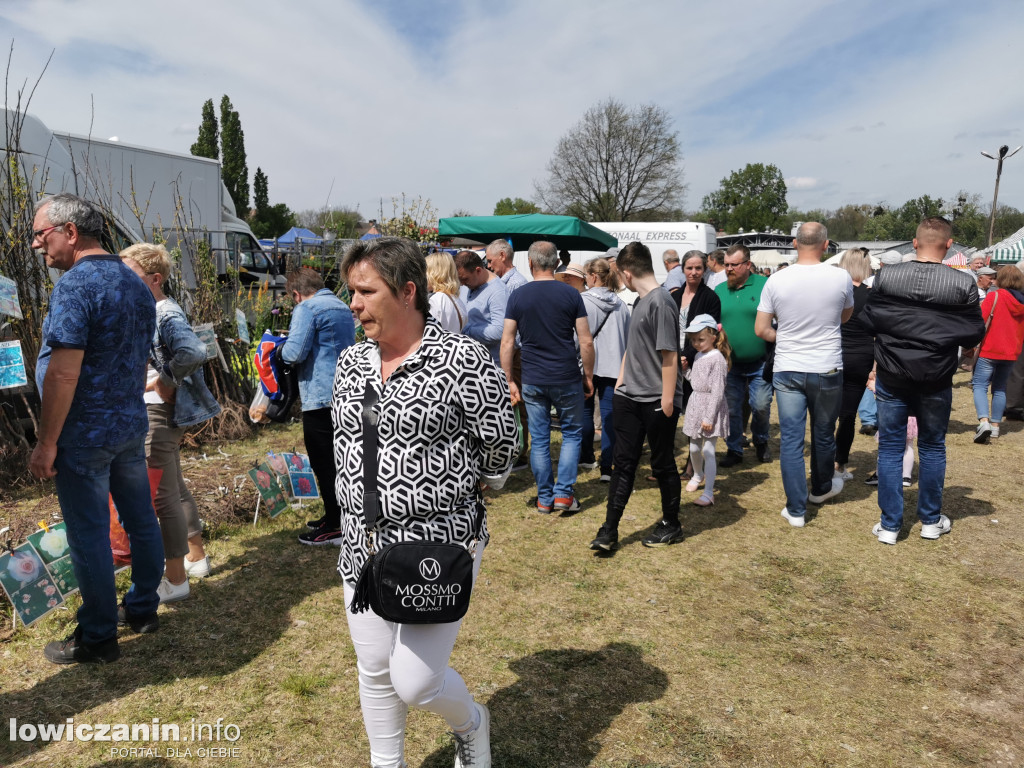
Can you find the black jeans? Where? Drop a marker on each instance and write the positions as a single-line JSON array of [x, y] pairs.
[[633, 421], [318, 434], [855, 378]]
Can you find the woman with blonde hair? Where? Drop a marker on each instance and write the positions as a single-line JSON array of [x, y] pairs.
[[176, 398], [443, 283]]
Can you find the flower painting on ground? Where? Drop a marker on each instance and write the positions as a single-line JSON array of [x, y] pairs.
[[300, 476], [27, 584], [55, 552], [270, 492]]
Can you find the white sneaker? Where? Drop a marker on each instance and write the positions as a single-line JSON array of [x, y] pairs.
[[844, 475], [837, 486], [473, 750], [983, 433], [796, 522], [995, 431], [935, 530], [170, 593], [198, 569], [884, 536]]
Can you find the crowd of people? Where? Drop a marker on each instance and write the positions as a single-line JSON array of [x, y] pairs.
[[466, 366]]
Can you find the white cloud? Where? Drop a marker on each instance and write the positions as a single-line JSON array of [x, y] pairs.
[[801, 182], [328, 92]]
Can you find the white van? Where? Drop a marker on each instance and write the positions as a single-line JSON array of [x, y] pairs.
[[659, 236]]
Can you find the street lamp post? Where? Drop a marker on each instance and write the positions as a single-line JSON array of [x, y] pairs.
[[1004, 153]]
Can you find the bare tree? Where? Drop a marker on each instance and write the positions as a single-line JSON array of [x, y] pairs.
[[616, 164]]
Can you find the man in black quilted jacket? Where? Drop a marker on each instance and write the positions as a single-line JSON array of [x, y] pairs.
[[920, 312]]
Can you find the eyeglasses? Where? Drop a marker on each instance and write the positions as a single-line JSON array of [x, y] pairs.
[[40, 232], [735, 266]]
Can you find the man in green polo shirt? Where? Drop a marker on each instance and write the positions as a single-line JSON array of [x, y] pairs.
[[740, 294]]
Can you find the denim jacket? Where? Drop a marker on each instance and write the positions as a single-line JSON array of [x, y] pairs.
[[321, 327], [178, 355]]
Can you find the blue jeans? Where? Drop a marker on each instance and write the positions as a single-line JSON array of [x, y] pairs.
[[85, 477], [932, 412], [996, 373], [567, 400], [604, 391], [867, 411], [797, 395], [744, 381]]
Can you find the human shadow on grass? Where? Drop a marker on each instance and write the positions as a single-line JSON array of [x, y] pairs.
[[563, 701], [229, 621]]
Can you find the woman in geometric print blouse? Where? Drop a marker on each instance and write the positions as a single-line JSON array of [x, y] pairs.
[[444, 421]]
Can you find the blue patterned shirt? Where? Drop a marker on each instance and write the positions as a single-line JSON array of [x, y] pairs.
[[101, 307]]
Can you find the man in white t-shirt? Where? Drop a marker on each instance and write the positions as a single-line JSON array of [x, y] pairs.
[[809, 302]]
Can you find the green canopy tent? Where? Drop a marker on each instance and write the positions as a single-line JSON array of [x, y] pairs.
[[566, 232]]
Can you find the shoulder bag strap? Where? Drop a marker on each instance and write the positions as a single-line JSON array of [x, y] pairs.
[[603, 321], [371, 500], [456, 305]]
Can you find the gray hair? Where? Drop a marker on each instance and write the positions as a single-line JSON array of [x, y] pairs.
[[544, 256], [671, 256], [695, 254], [65, 208], [397, 260], [811, 233], [502, 247]]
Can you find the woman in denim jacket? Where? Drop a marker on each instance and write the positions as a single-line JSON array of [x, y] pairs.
[[176, 398]]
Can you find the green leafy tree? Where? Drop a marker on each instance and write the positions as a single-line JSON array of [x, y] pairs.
[[260, 191], [753, 198], [234, 170], [273, 221], [206, 145], [509, 207], [616, 164], [1008, 221], [342, 222], [267, 220]]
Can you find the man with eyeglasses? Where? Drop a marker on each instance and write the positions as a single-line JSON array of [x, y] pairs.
[[740, 295], [91, 375]]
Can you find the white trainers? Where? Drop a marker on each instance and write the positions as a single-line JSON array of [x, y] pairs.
[[837, 486], [473, 750], [983, 433], [935, 530], [995, 431], [844, 475], [884, 536], [796, 522], [170, 593], [198, 569]]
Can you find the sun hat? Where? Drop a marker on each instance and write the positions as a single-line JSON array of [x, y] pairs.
[[576, 270]]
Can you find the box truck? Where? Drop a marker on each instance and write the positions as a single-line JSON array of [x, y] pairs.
[[143, 191]]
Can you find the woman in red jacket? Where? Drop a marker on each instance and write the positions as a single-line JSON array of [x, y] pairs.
[[1003, 310]]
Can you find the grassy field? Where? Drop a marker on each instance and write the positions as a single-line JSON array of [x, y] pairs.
[[749, 644]]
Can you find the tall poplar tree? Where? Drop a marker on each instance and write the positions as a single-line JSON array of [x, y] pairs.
[[206, 145], [234, 170]]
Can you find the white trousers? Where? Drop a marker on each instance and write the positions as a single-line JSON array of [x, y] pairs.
[[402, 666], [702, 456]]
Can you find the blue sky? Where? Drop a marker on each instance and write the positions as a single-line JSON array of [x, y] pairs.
[[463, 102]]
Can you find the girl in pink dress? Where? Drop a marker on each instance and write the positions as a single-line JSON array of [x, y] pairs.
[[707, 415]]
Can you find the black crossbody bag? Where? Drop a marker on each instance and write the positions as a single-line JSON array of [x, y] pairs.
[[409, 582]]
